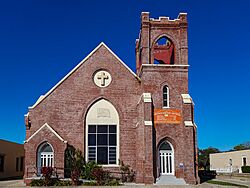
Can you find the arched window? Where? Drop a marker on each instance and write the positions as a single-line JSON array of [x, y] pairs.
[[102, 133], [163, 51], [165, 96], [45, 156]]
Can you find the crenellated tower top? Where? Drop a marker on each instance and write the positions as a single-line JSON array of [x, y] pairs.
[[162, 41]]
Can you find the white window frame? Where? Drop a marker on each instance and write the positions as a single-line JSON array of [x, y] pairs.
[[48, 156], [108, 146], [165, 86], [104, 123], [117, 147]]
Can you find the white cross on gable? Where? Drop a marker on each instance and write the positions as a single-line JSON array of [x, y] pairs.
[[102, 76]]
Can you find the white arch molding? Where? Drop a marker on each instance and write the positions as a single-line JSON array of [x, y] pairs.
[[102, 114], [166, 158]]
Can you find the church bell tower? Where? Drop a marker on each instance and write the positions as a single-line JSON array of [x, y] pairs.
[[162, 65], [162, 41]]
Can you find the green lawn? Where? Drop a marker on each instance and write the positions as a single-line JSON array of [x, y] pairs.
[[225, 183]]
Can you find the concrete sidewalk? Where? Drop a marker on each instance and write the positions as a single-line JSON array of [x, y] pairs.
[[236, 180], [20, 184], [12, 183]]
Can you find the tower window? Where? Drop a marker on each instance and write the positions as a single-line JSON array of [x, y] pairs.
[[165, 96], [163, 51]]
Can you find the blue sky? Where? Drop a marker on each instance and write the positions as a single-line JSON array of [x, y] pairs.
[[41, 41]]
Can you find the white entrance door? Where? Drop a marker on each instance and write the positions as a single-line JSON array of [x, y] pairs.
[[166, 162]]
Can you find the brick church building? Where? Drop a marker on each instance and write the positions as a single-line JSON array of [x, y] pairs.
[[112, 114]]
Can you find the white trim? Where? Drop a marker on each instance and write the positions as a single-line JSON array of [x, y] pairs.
[[50, 128], [163, 65], [166, 107], [188, 123], [163, 18], [186, 98], [42, 97], [111, 165], [38, 101], [148, 123], [181, 13], [147, 97], [139, 100]]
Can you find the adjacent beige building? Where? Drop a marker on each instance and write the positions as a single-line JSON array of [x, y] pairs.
[[11, 159], [231, 161]]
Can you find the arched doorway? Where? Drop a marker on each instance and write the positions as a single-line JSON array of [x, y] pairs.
[[166, 158], [45, 156], [102, 133]]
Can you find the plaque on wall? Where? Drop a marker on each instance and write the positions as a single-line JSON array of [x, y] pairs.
[[167, 116]]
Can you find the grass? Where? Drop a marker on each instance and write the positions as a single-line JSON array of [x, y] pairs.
[[225, 183]]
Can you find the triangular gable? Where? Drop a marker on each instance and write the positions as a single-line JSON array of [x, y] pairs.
[[50, 128], [42, 97]]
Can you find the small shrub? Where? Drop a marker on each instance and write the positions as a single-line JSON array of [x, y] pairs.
[[128, 175], [99, 175], [112, 182], [206, 175], [91, 183], [37, 183], [87, 170], [62, 183], [75, 174], [53, 182], [245, 169], [74, 163], [47, 173]]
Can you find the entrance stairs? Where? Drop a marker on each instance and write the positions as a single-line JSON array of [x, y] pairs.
[[170, 180]]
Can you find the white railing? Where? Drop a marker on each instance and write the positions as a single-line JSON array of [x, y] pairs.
[[226, 169]]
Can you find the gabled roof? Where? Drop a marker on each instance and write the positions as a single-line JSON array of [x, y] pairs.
[[50, 128], [42, 97]]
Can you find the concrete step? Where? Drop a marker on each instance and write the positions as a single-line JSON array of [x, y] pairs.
[[170, 180]]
